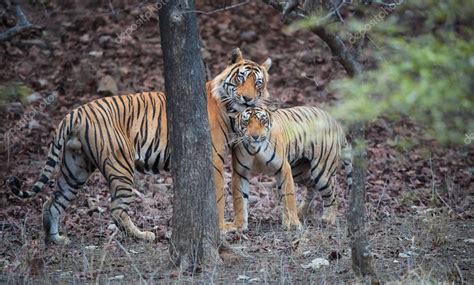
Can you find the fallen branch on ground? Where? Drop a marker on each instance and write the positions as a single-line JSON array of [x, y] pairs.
[[22, 25]]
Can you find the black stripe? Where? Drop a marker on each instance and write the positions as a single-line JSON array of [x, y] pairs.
[[167, 164], [330, 204], [147, 157], [272, 157], [218, 154], [35, 189], [217, 169], [156, 164], [241, 176], [51, 162], [60, 193], [44, 179], [60, 204], [279, 169], [324, 188], [238, 161]]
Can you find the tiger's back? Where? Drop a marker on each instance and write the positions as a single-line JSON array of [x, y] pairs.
[[134, 124]]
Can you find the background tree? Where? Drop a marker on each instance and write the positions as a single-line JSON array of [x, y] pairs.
[[316, 15], [195, 234]]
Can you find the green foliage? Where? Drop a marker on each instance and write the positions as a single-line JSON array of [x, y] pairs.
[[426, 76], [427, 80], [14, 91]]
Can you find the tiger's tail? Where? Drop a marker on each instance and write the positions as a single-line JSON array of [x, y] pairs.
[[347, 161], [62, 133]]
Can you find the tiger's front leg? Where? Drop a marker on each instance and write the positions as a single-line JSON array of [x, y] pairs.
[[287, 187], [240, 195], [218, 161]]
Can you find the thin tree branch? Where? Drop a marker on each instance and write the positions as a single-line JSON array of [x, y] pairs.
[[220, 9], [22, 25], [334, 42], [339, 51]]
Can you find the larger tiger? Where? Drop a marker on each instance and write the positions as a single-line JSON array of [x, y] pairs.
[[299, 144], [122, 133]]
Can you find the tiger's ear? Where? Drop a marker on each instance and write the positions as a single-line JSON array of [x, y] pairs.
[[236, 56], [267, 64]]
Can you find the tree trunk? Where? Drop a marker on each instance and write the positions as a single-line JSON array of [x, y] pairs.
[[361, 256], [195, 235]]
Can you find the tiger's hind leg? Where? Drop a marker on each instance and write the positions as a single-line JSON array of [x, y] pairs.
[[74, 171], [120, 178], [326, 188], [304, 210]]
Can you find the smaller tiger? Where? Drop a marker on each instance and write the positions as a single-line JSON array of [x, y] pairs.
[[299, 144]]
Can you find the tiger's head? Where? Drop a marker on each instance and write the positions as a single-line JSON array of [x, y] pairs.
[[253, 126], [242, 84]]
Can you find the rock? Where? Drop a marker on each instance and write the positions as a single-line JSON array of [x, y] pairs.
[[85, 38], [34, 97], [407, 254], [469, 241], [118, 277], [243, 277], [95, 53], [316, 263], [42, 82], [16, 108], [33, 125], [112, 227], [107, 86], [160, 187], [104, 39], [248, 36], [25, 68]]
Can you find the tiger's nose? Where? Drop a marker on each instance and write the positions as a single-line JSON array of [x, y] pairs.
[[247, 99], [255, 137]]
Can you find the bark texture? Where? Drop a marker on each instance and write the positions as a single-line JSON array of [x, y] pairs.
[[360, 251], [195, 235]]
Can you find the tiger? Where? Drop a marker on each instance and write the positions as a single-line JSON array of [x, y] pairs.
[[120, 134], [299, 144]]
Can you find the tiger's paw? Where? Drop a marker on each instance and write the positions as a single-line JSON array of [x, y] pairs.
[[228, 227], [57, 240], [147, 236], [292, 226]]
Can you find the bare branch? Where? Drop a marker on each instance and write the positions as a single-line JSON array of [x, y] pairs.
[[339, 51], [221, 9], [334, 42], [290, 6], [22, 25]]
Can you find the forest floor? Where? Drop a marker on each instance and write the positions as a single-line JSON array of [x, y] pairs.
[[420, 194]]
